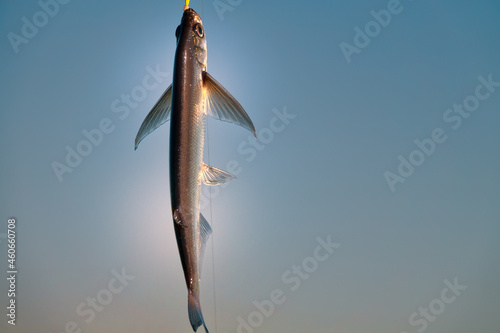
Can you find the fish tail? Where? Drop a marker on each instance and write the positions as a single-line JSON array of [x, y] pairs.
[[194, 310]]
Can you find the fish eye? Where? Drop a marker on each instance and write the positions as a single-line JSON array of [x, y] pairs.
[[198, 29], [177, 31]]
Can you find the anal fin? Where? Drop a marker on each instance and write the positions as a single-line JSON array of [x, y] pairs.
[[205, 229]]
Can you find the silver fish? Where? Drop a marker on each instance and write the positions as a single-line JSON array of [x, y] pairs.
[[192, 95]]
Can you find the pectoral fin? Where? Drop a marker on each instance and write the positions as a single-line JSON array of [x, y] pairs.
[[159, 115], [223, 106], [213, 176]]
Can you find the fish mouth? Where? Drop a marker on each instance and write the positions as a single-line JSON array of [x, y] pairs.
[[190, 13]]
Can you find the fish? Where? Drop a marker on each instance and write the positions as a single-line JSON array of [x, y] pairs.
[[193, 95]]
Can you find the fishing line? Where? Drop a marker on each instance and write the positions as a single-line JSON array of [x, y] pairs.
[[210, 196], [213, 239], [202, 12]]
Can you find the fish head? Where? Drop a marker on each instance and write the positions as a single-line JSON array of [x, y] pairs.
[[190, 35]]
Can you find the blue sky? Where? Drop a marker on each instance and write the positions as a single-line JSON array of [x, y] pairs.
[[319, 172]]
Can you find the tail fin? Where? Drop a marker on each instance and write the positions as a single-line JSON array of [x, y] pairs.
[[194, 310]]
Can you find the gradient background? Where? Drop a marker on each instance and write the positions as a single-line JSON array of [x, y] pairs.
[[322, 175]]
